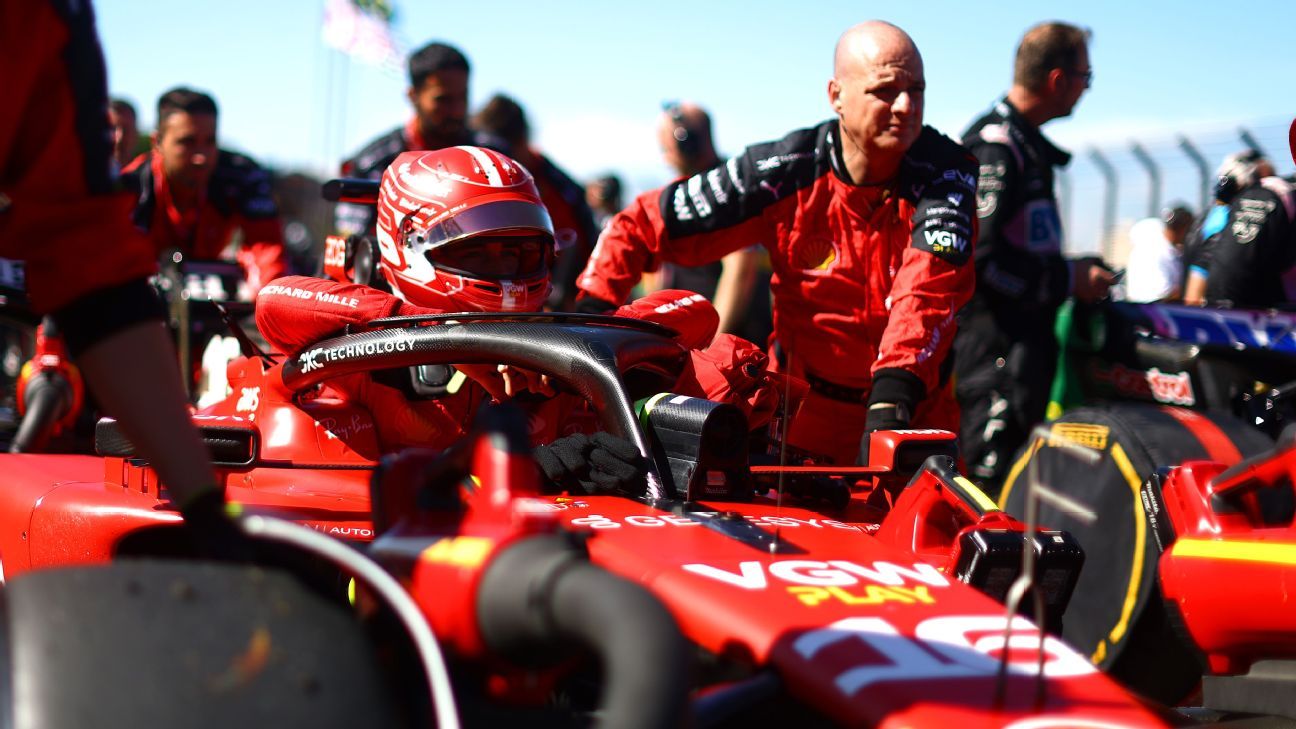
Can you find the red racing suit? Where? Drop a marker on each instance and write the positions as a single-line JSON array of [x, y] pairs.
[[238, 198], [865, 294], [60, 211], [297, 311]]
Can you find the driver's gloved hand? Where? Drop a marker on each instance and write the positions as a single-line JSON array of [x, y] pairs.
[[593, 464], [211, 530]]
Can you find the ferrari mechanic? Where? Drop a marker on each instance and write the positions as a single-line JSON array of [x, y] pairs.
[[463, 229], [869, 220], [438, 92], [193, 196], [84, 262]]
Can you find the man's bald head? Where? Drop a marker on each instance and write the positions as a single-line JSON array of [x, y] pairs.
[[869, 43], [877, 91]]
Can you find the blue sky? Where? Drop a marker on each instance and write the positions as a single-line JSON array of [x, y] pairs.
[[593, 75]]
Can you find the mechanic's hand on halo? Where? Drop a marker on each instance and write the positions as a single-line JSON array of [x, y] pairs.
[[594, 464], [881, 416], [1091, 280], [504, 381]]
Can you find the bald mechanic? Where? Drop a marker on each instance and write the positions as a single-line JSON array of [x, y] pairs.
[[868, 219]]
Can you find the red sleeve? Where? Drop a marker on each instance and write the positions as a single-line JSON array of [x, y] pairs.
[[59, 213], [926, 294], [936, 275], [295, 311], [688, 313], [636, 240], [262, 254]]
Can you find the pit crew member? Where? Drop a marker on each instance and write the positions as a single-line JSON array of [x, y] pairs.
[[438, 92], [1006, 351], [869, 221], [61, 215], [193, 196], [1251, 261]]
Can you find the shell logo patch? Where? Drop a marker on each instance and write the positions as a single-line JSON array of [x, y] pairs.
[[814, 255]]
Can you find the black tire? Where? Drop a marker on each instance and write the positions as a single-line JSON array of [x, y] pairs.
[[1116, 616], [184, 644]]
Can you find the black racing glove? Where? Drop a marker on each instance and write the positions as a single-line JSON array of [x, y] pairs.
[[891, 401], [594, 305], [884, 417], [213, 533], [597, 464]]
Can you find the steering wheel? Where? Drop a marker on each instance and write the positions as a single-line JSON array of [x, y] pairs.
[[586, 353]]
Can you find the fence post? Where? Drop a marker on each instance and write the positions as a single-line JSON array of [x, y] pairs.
[[1154, 177], [1109, 196], [1203, 172], [1250, 141]]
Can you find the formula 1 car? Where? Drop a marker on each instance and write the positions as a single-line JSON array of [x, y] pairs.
[[1159, 614], [44, 406], [718, 594], [1163, 385], [1214, 526]]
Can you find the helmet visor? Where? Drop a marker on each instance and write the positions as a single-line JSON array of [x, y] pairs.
[[501, 257], [496, 217]]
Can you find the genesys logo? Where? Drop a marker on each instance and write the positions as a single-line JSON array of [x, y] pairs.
[[599, 521], [756, 575]]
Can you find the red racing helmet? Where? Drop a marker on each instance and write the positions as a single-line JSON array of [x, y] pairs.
[[463, 229]]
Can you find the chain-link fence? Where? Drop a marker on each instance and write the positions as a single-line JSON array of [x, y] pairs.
[[1111, 184]]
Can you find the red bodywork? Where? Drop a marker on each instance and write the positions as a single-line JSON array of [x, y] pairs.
[[1216, 531], [858, 613]]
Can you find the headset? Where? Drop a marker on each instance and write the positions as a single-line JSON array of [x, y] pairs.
[[1177, 216], [686, 140], [1226, 186]]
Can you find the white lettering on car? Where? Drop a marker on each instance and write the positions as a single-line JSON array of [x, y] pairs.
[[942, 647], [752, 574], [1171, 388], [399, 342], [697, 518], [249, 399]]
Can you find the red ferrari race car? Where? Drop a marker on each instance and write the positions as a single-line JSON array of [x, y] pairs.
[[718, 594], [1187, 517], [44, 407]]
